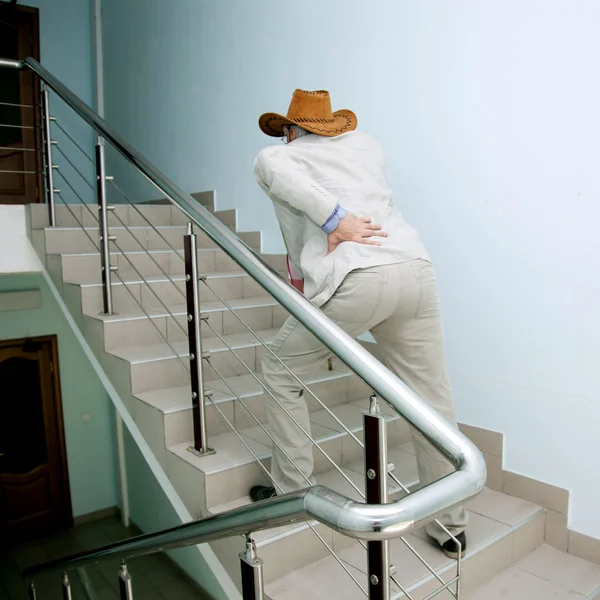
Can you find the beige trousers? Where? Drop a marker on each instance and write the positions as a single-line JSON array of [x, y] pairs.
[[399, 305]]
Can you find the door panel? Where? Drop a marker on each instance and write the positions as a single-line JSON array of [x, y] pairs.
[[27, 496], [34, 493]]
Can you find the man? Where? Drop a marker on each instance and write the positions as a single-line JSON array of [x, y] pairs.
[[329, 190]]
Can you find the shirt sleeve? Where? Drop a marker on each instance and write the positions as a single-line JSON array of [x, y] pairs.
[[339, 212], [284, 179]]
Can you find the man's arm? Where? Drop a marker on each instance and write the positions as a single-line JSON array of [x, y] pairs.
[[281, 177]]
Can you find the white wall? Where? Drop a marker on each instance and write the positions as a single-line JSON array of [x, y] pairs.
[[489, 113], [16, 252]]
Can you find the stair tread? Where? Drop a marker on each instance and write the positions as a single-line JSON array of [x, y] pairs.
[[318, 579], [545, 573], [180, 309], [174, 399], [154, 352]]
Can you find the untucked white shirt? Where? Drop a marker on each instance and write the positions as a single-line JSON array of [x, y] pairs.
[[307, 179]]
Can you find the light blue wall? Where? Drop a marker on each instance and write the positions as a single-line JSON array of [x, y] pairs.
[[66, 50], [87, 410], [489, 114]]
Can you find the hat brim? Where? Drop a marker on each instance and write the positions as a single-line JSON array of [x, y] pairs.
[[343, 121]]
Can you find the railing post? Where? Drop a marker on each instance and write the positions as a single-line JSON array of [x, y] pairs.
[[194, 320], [103, 227], [376, 472], [125, 589], [66, 588], [252, 573], [49, 170]]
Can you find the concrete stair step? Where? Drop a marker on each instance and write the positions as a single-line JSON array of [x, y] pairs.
[[70, 240], [153, 325], [231, 472], [159, 292], [175, 406], [166, 365], [545, 573], [501, 531]]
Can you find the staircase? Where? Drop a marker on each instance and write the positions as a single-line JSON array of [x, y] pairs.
[[143, 349]]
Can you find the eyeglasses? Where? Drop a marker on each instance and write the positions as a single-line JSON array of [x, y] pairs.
[[286, 133]]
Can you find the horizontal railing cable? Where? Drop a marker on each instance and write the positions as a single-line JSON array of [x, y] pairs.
[[10, 126], [15, 149], [19, 172], [17, 105]]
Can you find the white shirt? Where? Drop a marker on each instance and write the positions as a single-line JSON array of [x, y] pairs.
[[307, 179]]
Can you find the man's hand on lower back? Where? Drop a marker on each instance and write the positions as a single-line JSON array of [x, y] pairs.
[[354, 229]]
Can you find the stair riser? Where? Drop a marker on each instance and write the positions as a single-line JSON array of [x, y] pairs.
[[73, 241], [144, 331], [79, 267], [160, 295], [66, 241], [141, 214], [77, 214], [179, 428], [258, 318], [223, 363], [170, 372]]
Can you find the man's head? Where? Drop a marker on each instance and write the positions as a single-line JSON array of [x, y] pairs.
[[312, 112], [293, 132]]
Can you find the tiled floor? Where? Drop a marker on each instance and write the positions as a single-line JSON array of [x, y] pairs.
[[545, 574], [154, 577]]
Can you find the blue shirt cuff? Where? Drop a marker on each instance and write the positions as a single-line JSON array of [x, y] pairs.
[[331, 224]]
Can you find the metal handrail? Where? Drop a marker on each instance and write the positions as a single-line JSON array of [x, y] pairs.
[[369, 522]]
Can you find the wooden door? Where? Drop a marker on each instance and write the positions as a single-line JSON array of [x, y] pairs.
[[20, 137], [34, 487]]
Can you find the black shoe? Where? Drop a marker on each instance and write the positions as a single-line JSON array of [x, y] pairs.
[[450, 548], [262, 492]]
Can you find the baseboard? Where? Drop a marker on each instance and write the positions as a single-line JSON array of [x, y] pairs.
[[97, 515]]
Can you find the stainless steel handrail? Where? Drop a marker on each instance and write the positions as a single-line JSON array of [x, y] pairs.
[[370, 522], [361, 521]]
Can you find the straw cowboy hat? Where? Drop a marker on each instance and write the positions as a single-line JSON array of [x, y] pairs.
[[311, 111]]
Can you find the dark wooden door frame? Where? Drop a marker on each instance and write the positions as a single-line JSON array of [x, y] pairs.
[[54, 429], [31, 116]]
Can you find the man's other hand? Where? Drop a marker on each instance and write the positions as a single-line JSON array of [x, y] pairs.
[[354, 229]]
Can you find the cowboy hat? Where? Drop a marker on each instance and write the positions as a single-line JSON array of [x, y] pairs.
[[311, 111]]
